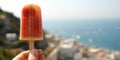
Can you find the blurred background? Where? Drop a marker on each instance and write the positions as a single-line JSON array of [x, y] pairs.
[[73, 29]]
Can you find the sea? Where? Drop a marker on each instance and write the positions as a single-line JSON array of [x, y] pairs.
[[102, 33]]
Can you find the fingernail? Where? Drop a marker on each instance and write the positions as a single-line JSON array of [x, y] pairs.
[[33, 55], [34, 52]]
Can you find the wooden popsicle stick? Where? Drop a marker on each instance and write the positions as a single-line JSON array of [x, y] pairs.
[[31, 44]]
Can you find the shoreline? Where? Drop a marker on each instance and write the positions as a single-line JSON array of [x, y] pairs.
[[92, 52], [98, 47]]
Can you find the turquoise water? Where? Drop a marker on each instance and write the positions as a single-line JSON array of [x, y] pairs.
[[103, 33]]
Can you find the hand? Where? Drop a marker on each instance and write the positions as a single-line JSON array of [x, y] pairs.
[[27, 55]]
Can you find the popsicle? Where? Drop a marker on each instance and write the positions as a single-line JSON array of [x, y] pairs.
[[31, 24]]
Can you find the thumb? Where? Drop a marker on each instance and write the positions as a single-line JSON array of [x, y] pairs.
[[33, 55]]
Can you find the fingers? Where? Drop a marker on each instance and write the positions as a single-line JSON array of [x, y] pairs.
[[33, 54], [36, 55], [30, 55], [40, 57], [22, 56], [39, 51]]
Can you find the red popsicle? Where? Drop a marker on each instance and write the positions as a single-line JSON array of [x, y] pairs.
[[31, 23]]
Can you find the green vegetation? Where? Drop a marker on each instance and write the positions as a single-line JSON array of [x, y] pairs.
[[6, 46], [1, 24], [47, 51], [5, 54]]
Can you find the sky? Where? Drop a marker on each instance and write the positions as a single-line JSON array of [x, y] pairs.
[[68, 9]]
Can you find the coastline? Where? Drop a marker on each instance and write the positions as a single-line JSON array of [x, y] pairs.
[[92, 52], [103, 33]]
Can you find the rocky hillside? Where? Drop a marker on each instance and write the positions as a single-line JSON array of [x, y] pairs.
[[8, 22]]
